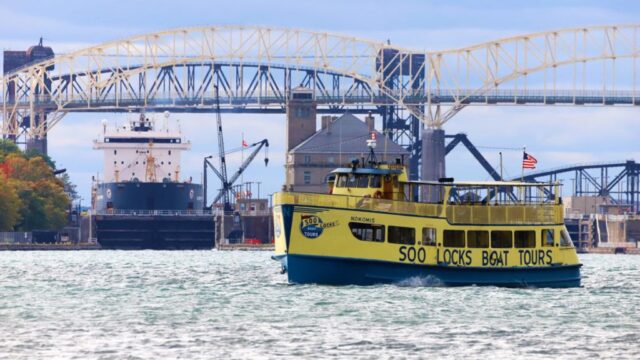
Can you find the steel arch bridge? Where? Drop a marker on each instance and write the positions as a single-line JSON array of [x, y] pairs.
[[619, 181], [256, 69]]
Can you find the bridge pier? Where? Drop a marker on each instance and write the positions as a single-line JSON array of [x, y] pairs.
[[433, 155]]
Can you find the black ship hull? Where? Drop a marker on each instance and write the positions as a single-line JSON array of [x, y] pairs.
[[139, 232], [159, 216]]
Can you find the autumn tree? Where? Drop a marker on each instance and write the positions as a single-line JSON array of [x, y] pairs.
[[9, 204], [35, 197]]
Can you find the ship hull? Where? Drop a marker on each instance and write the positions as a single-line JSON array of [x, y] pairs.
[[139, 232], [159, 216], [303, 269]]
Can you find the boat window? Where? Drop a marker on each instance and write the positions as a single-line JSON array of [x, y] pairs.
[[477, 239], [375, 181], [547, 237], [428, 236], [352, 181], [363, 181], [402, 235], [525, 239], [565, 239], [453, 238], [367, 232], [501, 239], [342, 181]]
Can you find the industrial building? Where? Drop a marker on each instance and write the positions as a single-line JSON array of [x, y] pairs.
[[312, 155]]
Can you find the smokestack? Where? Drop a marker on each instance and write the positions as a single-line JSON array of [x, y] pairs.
[[370, 122]]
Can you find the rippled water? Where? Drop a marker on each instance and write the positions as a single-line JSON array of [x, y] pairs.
[[115, 304]]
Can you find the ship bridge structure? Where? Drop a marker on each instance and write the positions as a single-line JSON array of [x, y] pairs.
[[257, 68]]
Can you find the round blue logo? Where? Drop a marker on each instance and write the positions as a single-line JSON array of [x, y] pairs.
[[311, 226]]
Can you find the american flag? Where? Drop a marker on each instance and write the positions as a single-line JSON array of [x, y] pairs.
[[529, 162]]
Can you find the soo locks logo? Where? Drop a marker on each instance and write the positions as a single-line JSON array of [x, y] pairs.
[[311, 226]]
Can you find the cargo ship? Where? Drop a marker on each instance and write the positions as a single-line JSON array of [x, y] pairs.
[[375, 226], [141, 202]]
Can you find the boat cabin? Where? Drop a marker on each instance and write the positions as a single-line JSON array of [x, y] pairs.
[[382, 182]]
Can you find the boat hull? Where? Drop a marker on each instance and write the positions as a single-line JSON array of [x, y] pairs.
[[306, 269], [140, 232]]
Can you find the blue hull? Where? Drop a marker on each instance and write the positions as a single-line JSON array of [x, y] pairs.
[[304, 269]]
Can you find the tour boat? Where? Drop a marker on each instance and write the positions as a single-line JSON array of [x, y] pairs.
[[375, 226]]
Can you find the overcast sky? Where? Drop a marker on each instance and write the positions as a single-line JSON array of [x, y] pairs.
[[556, 136]]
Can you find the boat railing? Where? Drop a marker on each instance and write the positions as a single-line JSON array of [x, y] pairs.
[[154, 212], [505, 214], [360, 203], [455, 214]]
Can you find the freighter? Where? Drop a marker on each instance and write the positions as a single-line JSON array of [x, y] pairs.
[[370, 228], [142, 202]]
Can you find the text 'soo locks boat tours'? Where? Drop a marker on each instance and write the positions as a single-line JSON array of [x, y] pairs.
[[370, 230]]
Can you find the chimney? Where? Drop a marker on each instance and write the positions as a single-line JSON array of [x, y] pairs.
[[369, 120], [326, 123]]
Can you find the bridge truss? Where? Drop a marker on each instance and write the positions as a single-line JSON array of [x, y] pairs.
[[619, 181], [256, 69]]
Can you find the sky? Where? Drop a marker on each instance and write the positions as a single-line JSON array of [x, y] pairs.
[[555, 135]]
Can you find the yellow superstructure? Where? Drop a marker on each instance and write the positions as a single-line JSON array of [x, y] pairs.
[[371, 228]]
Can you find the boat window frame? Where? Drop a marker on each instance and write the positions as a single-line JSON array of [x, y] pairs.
[[564, 237], [495, 240], [350, 183], [478, 243], [341, 181], [544, 240], [362, 181], [368, 226], [373, 179], [522, 243], [399, 240], [447, 239], [429, 240]]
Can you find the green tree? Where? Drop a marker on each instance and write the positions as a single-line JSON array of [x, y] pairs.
[[7, 147], [33, 153], [9, 205]]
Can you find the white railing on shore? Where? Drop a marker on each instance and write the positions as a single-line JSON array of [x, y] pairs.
[[19, 237]]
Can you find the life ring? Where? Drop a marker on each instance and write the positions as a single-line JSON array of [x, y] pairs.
[[377, 195]]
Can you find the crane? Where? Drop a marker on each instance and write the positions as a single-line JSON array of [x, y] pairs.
[[227, 183]]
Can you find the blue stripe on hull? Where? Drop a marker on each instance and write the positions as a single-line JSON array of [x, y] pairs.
[[304, 269]]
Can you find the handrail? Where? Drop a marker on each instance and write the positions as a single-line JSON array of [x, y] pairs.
[[531, 214], [154, 212]]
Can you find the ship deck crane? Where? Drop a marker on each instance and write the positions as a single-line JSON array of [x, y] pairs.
[[225, 192]]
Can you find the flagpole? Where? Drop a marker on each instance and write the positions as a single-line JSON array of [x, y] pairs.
[[501, 178], [524, 151], [242, 161]]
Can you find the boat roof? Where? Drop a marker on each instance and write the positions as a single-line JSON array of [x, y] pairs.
[[482, 183], [367, 171]]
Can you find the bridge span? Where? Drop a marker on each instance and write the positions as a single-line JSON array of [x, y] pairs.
[[256, 69]]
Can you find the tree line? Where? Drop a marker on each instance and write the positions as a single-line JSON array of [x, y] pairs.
[[32, 197]]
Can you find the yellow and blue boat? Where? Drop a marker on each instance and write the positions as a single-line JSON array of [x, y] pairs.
[[369, 229]]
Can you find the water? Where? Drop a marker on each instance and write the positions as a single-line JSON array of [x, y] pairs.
[[208, 304]]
